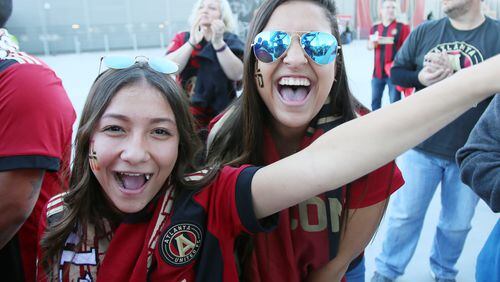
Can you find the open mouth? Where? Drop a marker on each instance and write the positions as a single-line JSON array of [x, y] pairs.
[[132, 181], [294, 90]]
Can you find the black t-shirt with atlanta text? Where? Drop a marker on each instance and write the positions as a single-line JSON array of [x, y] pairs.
[[464, 49]]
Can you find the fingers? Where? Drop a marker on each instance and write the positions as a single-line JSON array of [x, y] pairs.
[[428, 76], [218, 26], [438, 59]]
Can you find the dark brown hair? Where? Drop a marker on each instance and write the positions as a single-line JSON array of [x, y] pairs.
[[240, 139]]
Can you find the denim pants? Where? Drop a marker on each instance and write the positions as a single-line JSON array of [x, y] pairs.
[[422, 173], [357, 274], [378, 86], [488, 261]]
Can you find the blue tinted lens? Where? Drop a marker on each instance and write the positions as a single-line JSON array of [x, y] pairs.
[[268, 46], [163, 65], [118, 62], [321, 47]]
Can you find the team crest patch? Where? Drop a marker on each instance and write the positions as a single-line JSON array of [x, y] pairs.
[[180, 244]]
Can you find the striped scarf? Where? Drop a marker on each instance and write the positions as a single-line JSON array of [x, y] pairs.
[[122, 254]]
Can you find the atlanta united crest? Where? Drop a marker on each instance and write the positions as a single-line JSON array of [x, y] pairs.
[[180, 244]]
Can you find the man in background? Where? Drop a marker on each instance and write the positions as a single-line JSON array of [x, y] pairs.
[[386, 38], [434, 51]]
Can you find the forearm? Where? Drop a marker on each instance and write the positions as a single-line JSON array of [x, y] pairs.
[[230, 63], [366, 143], [354, 237], [19, 190], [357, 233], [181, 56], [377, 138], [406, 78], [370, 45]]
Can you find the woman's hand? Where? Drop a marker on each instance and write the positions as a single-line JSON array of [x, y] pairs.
[[331, 272], [196, 33], [217, 29]]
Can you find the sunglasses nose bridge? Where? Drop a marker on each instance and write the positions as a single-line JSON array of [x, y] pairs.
[[295, 54]]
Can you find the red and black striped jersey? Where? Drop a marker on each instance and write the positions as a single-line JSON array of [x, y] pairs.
[[396, 33]]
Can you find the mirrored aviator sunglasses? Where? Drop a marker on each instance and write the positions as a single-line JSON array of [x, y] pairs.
[[158, 64], [321, 47]]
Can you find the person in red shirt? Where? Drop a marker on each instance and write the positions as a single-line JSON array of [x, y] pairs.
[[386, 37], [35, 146], [315, 231], [134, 212], [209, 56]]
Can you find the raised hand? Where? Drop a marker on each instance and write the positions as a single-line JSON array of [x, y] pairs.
[[437, 67], [196, 33], [217, 27]]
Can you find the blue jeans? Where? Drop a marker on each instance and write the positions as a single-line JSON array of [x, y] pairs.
[[488, 261], [422, 173], [357, 274], [378, 86]]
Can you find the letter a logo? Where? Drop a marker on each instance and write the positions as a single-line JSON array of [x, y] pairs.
[[184, 245]]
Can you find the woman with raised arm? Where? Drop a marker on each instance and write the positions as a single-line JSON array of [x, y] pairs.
[[209, 56], [131, 212], [292, 96]]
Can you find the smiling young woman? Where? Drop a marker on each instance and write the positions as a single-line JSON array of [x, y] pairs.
[[135, 211]]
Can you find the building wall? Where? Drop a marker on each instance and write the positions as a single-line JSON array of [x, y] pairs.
[[62, 26], [57, 26]]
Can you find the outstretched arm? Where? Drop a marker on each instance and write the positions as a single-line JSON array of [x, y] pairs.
[[364, 144]]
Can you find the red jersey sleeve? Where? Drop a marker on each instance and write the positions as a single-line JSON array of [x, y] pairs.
[[177, 42], [375, 187], [37, 118], [228, 203]]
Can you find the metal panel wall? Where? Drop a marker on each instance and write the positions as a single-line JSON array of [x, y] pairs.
[[59, 26]]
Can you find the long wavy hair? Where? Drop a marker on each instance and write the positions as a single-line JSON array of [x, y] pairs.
[[85, 202], [240, 139]]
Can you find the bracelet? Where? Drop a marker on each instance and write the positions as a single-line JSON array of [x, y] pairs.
[[192, 45], [221, 48]]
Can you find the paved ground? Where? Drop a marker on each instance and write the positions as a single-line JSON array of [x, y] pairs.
[[79, 70]]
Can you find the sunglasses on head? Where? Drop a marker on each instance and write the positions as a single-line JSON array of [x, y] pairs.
[[321, 47], [158, 64]]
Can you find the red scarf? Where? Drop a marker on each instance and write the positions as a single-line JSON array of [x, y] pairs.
[[125, 254]]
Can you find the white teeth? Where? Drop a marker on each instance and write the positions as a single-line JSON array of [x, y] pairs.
[[294, 81], [130, 174], [147, 176]]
